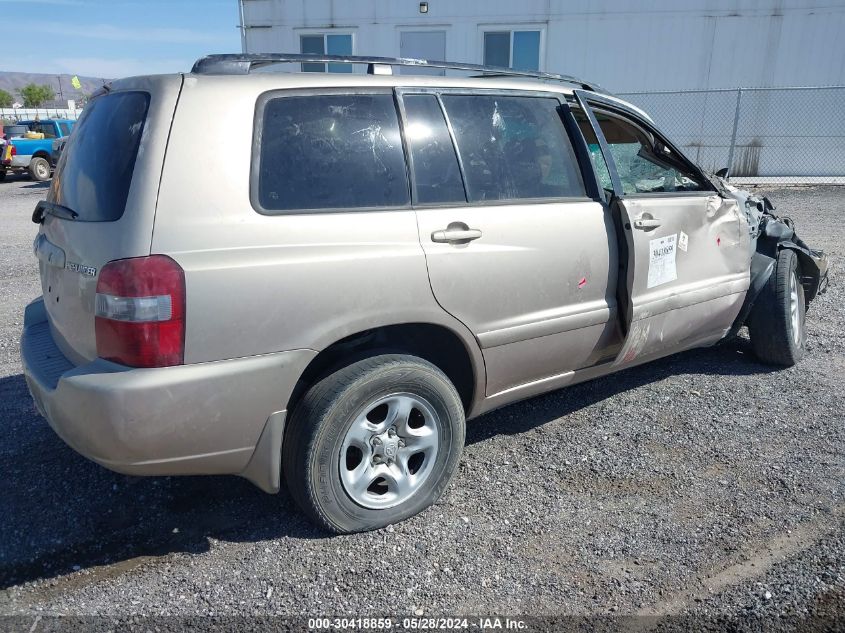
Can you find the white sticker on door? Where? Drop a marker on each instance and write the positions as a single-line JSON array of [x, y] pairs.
[[661, 263], [683, 241]]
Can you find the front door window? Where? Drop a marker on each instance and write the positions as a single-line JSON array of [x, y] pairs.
[[644, 163]]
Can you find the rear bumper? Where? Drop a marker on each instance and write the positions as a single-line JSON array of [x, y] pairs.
[[221, 417], [20, 161]]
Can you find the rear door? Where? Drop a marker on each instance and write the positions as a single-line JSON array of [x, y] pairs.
[[515, 247], [108, 174], [685, 247]]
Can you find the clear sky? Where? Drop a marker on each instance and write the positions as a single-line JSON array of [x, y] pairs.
[[114, 38]]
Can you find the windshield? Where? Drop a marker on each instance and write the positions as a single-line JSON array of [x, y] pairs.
[[95, 169]]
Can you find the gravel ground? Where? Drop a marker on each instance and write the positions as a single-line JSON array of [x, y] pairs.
[[705, 484]]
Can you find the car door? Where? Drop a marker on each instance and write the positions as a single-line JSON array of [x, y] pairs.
[[686, 249], [515, 248]]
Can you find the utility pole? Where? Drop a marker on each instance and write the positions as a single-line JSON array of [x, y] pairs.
[[61, 94], [242, 25]]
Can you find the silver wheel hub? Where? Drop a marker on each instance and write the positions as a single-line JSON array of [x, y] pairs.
[[389, 450], [386, 446], [795, 309]]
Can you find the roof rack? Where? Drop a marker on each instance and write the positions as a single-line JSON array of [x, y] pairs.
[[243, 63]]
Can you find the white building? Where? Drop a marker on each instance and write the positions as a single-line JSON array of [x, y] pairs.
[[622, 45]]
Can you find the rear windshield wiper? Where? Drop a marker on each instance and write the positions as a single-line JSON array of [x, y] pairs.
[[44, 208]]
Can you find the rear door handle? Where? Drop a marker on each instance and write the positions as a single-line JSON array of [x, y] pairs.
[[456, 235], [644, 224]]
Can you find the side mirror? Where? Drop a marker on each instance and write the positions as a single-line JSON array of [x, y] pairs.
[[660, 148], [722, 173]]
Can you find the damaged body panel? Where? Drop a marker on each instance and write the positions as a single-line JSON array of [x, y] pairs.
[[687, 276], [696, 252], [769, 234], [685, 247]]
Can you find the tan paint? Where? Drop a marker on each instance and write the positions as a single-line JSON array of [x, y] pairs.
[[534, 300]]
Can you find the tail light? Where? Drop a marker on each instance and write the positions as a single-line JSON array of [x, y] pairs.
[[140, 312]]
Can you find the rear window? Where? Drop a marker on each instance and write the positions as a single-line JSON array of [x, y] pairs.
[[330, 152], [14, 130], [47, 129], [95, 170]]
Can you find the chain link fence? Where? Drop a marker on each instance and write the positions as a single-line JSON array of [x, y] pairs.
[[18, 114], [762, 135]]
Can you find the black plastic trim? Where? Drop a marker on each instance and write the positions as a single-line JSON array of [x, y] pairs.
[[244, 63], [616, 183]]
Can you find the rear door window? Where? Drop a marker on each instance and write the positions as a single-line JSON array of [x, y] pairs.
[[95, 171], [330, 152], [513, 147], [437, 177]]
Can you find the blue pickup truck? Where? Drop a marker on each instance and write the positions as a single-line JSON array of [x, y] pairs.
[[33, 154]]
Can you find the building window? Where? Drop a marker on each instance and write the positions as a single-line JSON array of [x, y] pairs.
[[519, 50], [326, 44]]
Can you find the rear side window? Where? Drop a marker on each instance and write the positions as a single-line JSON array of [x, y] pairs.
[[331, 152], [513, 147], [47, 129], [436, 173], [95, 170], [65, 128]]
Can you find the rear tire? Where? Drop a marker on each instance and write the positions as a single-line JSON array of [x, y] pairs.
[[777, 324], [39, 169], [373, 443]]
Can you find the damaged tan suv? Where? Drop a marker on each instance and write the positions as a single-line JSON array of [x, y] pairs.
[[327, 292]]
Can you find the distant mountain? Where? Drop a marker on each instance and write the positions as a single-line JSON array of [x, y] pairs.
[[12, 82]]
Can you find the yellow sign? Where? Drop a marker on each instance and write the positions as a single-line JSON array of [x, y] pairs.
[[75, 82]]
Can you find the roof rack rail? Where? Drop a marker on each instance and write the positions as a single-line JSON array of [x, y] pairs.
[[243, 63]]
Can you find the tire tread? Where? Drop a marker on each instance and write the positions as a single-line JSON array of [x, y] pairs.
[[309, 417], [770, 323]]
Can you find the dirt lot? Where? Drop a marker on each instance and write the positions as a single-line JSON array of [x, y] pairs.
[[705, 484]]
